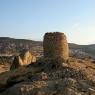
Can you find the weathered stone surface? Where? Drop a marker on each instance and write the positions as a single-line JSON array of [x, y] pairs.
[[26, 58], [67, 86], [23, 59], [55, 45]]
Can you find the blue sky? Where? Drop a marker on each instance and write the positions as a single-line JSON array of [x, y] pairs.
[[30, 19]]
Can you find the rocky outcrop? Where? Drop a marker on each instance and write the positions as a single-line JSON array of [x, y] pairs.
[[55, 45], [67, 86], [73, 78], [24, 59]]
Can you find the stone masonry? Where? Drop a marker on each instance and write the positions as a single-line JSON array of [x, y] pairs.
[[55, 45]]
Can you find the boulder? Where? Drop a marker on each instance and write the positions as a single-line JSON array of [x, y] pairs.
[[24, 59]]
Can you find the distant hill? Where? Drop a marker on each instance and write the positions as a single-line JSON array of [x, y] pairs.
[[12, 46], [87, 49]]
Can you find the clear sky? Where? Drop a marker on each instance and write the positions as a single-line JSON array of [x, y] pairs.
[[30, 19]]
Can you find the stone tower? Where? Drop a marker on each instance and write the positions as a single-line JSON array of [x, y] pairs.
[[55, 45]]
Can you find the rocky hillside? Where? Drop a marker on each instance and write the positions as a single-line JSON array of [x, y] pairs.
[[10, 46], [82, 50], [50, 77]]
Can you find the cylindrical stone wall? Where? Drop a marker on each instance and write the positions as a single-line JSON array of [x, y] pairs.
[[55, 45]]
